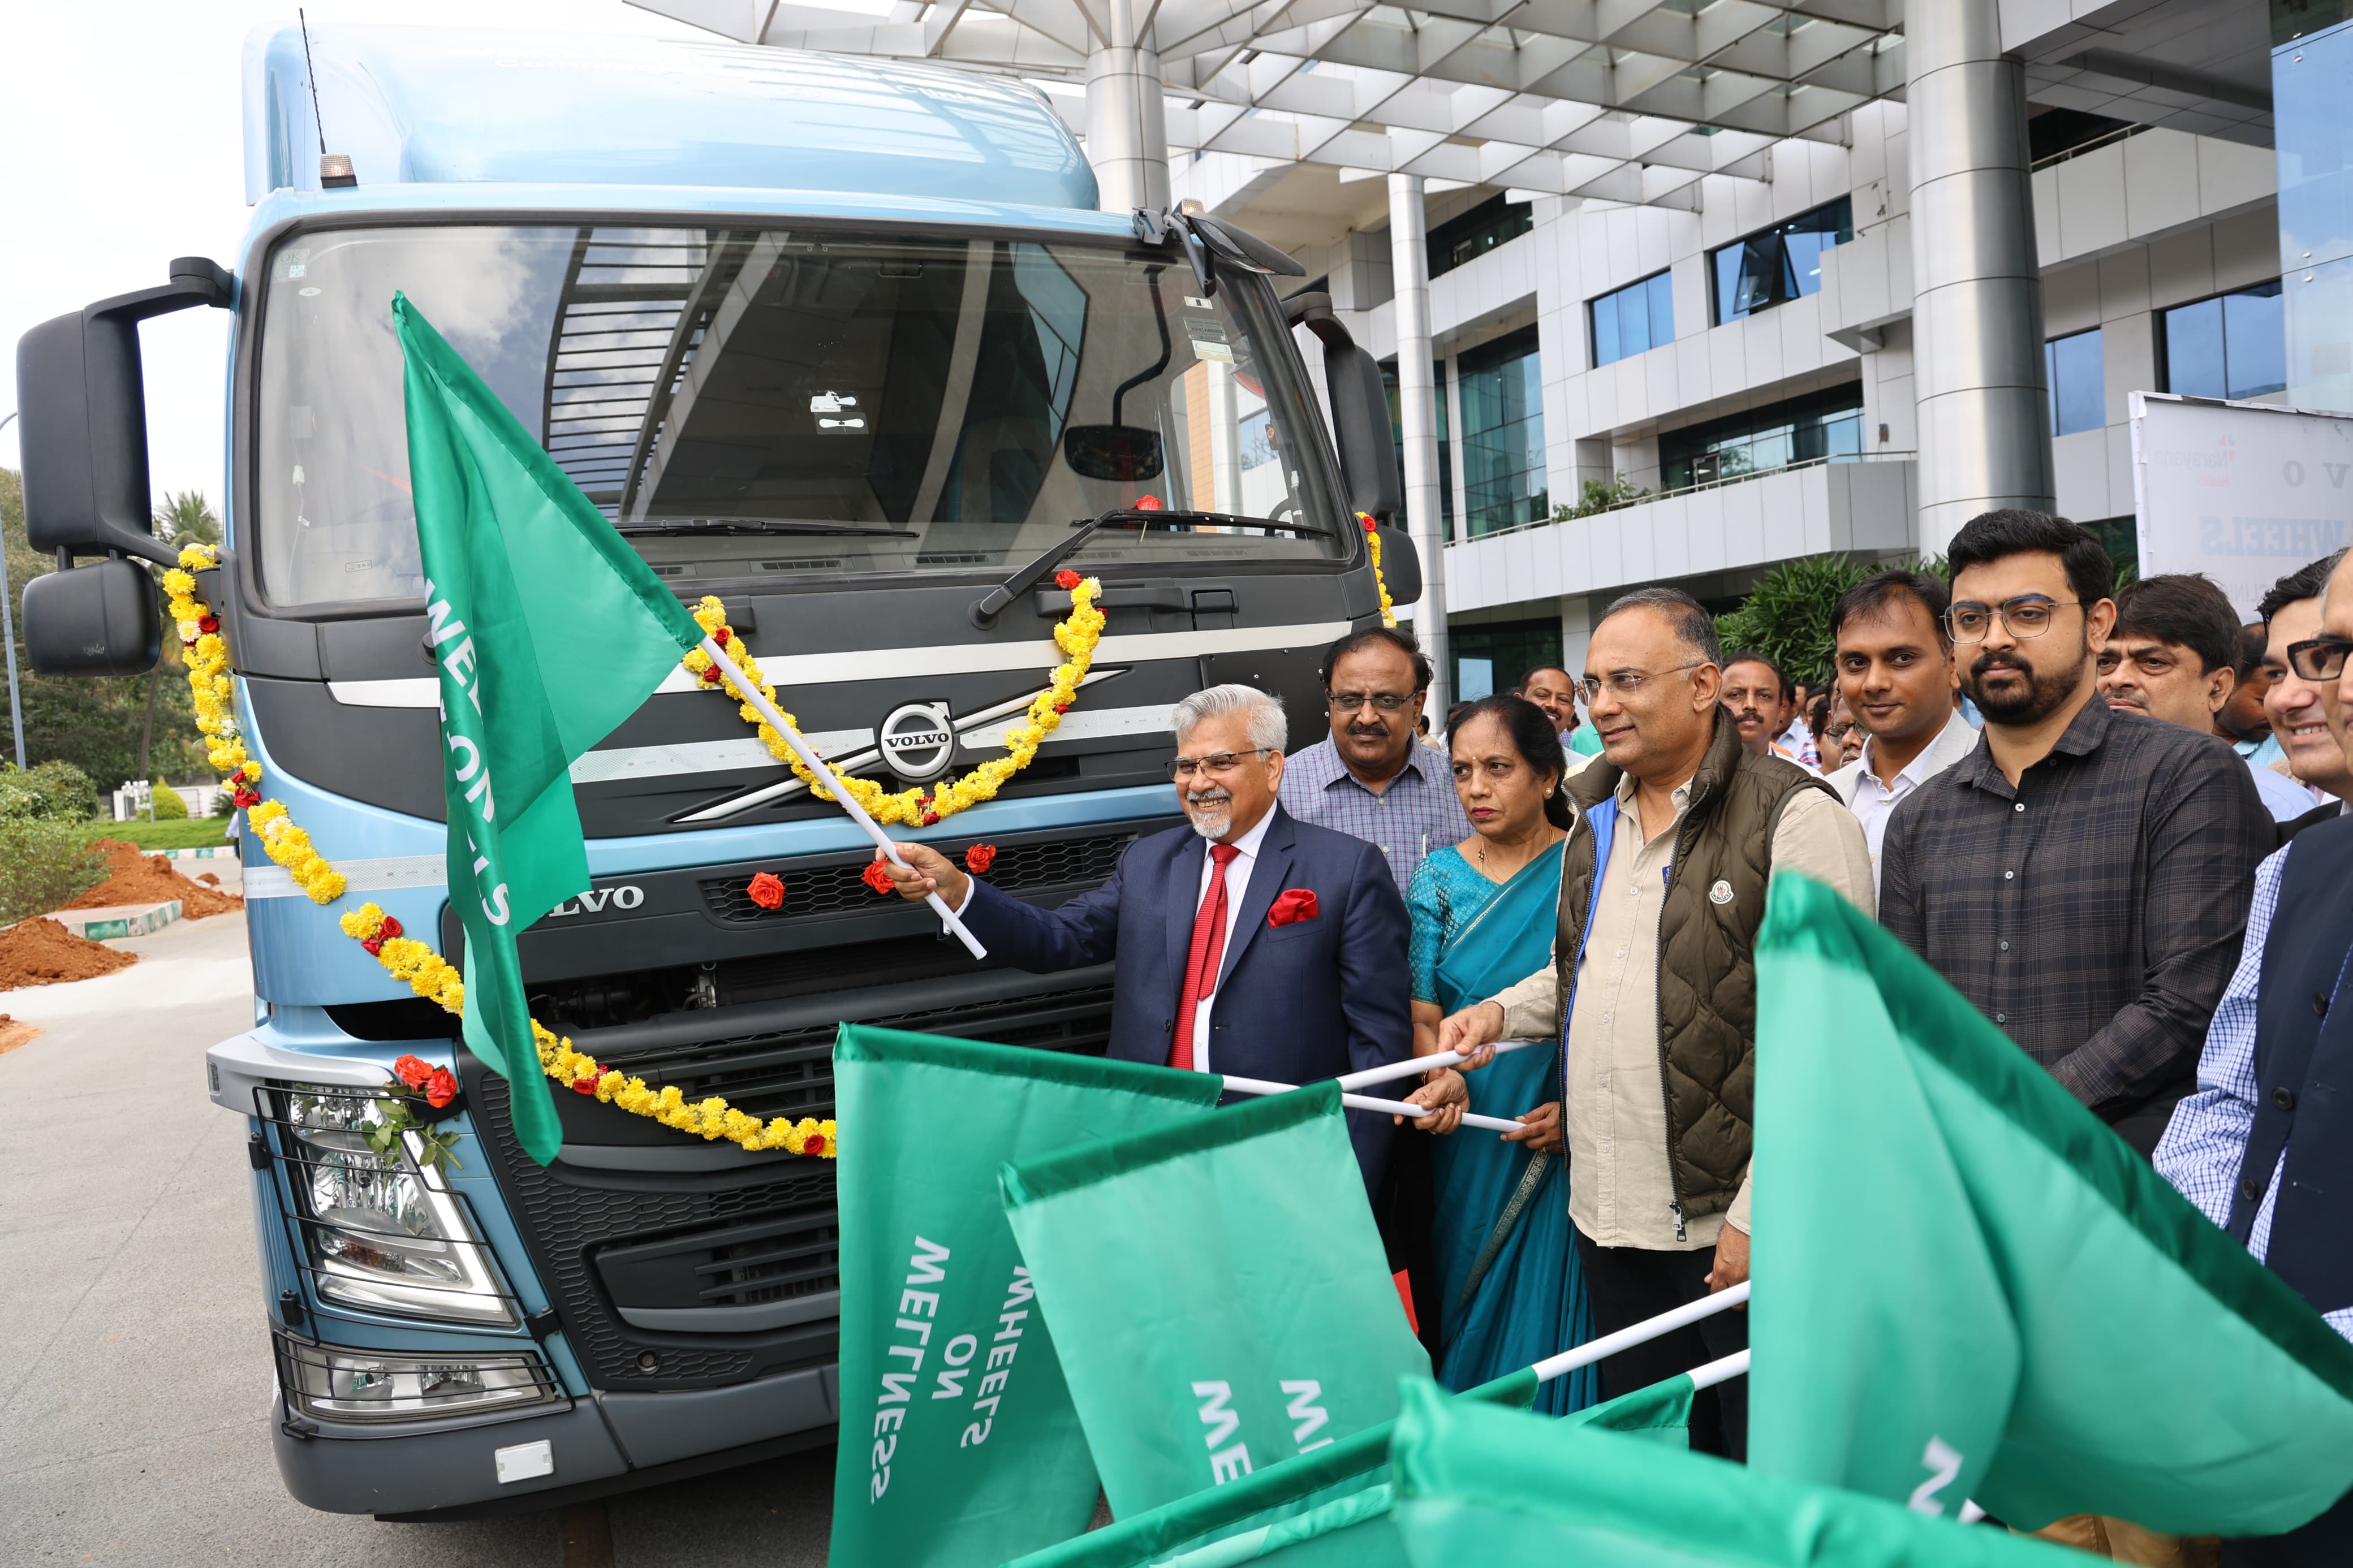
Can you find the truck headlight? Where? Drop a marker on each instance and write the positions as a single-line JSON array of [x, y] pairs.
[[346, 1383], [387, 1238]]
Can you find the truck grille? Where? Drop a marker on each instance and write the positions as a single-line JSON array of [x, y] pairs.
[[760, 1240], [1087, 861]]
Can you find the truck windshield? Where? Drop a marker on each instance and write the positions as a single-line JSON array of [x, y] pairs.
[[767, 402]]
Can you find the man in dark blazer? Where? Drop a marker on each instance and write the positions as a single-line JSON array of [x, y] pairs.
[[1249, 944]]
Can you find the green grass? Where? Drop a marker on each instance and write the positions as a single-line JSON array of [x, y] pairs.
[[196, 834]]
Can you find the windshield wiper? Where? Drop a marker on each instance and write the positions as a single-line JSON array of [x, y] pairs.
[[734, 525], [986, 608]]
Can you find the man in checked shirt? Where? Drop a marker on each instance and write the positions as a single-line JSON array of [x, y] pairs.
[[2083, 876]]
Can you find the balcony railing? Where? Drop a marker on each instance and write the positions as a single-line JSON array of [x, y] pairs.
[[1716, 484]]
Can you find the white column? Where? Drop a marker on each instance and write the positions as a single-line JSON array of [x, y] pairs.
[[1225, 440], [1976, 312], [1417, 413], [1127, 121]]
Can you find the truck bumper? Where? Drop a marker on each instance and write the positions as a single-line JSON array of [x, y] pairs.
[[610, 1442]]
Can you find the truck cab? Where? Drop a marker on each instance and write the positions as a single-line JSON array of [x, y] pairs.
[[847, 345]]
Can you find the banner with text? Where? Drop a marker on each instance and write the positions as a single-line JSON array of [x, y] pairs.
[[1217, 1293], [959, 1444], [2244, 492]]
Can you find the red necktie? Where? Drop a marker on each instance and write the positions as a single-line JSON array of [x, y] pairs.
[[1202, 959]]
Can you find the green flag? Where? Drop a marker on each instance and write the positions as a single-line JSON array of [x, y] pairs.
[[1217, 1293], [1969, 1287], [1476, 1484], [1329, 1509], [959, 1444], [548, 631]]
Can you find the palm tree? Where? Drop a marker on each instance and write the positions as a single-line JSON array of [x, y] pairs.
[[186, 517]]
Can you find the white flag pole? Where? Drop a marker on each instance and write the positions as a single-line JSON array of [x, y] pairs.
[[832, 786], [1643, 1333], [1724, 1371], [1365, 1102], [1413, 1065]]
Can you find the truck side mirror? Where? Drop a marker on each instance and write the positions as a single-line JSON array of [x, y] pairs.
[[83, 426], [99, 619], [1360, 424], [1400, 565]]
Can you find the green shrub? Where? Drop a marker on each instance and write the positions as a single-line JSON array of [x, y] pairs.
[[52, 792], [43, 865], [1786, 614], [169, 806]]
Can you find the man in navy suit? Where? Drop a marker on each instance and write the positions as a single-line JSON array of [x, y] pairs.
[[1250, 943]]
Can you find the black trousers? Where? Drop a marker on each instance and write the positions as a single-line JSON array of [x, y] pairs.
[[1626, 1285], [2325, 1542]]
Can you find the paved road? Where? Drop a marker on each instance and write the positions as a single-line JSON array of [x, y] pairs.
[[134, 1398]]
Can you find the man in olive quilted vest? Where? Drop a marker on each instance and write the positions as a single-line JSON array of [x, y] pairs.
[[1663, 888]]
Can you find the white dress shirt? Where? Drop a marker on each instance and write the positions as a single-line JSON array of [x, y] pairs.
[[1237, 876], [1875, 802]]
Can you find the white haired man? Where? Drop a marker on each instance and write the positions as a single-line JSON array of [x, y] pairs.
[[1248, 943]]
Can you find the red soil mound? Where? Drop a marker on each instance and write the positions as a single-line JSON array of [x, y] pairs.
[[42, 952], [137, 878]]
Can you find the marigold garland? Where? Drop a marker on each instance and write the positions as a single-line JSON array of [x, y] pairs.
[[413, 962], [1076, 637], [1373, 543]]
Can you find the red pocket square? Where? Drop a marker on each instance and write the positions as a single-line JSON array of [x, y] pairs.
[[1292, 904]]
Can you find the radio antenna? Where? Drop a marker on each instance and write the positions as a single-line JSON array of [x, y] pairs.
[[310, 75]]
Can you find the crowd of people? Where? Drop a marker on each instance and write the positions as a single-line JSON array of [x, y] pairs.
[[2109, 819]]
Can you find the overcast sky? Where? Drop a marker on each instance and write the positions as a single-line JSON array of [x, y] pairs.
[[122, 146]]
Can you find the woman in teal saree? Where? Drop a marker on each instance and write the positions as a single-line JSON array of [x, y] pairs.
[[1483, 915]]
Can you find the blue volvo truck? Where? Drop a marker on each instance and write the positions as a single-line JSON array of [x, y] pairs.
[[848, 345]]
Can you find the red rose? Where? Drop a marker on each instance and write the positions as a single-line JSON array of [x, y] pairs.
[[1147, 504], [1067, 579], [721, 637], [390, 929], [1367, 519], [411, 1072], [248, 798], [930, 820], [1293, 905], [814, 1144], [374, 945], [979, 858], [711, 676], [208, 624], [766, 891], [1062, 707], [584, 1085], [877, 876], [440, 1089]]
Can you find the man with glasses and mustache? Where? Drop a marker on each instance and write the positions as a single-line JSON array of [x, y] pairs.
[[1367, 778], [2264, 1147], [1247, 942], [2082, 876]]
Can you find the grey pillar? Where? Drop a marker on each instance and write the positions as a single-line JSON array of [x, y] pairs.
[[1127, 122], [1976, 312], [1418, 413]]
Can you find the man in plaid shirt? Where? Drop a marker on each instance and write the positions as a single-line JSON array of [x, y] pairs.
[[2083, 876]]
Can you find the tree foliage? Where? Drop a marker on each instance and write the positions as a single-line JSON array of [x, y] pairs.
[[43, 865], [47, 792], [1786, 614], [94, 723], [1597, 496]]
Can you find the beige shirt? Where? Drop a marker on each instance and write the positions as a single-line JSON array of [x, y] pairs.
[[1620, 1192]]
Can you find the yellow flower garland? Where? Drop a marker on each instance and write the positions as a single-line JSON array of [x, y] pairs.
[[1076, 637], [413, 962], [1373, 543]]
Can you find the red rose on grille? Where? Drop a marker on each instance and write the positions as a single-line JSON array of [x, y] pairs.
[[1293, 905], [814, 1144], [440, 1089], [1147, 504], [411, 1072], [766, 891], [1067, 579], [390, 929], [979, 858], [877, 876]]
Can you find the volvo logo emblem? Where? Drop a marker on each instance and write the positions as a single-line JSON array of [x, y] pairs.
[[596, 900], [918, 740]]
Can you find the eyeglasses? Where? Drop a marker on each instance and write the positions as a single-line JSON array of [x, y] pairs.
[[1216, 764], [2320, 659], [2029, 615], [1349, 701], [1626, 682]]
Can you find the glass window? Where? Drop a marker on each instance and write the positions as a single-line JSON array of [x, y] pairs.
[[1445, 442], [747, 402], [1818, 427], [1502, 434], [1473, 233], [2079, 394], [1630, 320], [1782, 264], [1489, 657], [2235, 345]]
